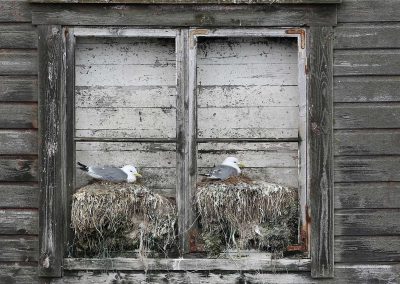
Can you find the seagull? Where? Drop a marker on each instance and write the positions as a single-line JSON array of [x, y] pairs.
[[229, 167], [127, 173]]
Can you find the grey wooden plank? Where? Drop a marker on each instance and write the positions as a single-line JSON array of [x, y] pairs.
[[367, 195], [18, 115], [363, 116], [320, 151], [193, 1], [253, 155], [19, 222], [366, 62], [367, 222], [186, 15], [18, 142], [52, 170], [367, 249], [260, 263], [18, 273], [186, 147], [18, 169], [16, 195], [15, 11], [18, 62], [353, 11], [344, 273], [18, 36], [16, 248], [366, 89], [367, 142], [368, 35], [13, 89], [367, 169]]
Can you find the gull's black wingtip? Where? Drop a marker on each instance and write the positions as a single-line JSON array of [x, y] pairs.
[[83, 167]]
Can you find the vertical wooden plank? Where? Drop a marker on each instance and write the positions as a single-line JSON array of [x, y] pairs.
[[68, 139], [320, 151], [186, 136], [50, 114]]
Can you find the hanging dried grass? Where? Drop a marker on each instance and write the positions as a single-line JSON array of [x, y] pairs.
[[109, 217], [240, 213]]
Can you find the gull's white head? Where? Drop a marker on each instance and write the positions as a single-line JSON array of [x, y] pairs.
[[132, 173], [233, 162]]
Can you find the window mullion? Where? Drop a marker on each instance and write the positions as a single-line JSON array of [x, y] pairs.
[[186, 136]]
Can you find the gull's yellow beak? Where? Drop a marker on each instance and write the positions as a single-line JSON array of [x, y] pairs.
[[137, 175], [241, 165]]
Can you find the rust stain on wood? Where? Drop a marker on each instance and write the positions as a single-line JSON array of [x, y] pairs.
[[194, 33], [302, 34]]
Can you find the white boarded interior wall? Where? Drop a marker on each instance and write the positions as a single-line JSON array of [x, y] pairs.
[[248, 89], [126, 88]]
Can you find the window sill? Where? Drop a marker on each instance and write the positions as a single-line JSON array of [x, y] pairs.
[[189, 264], [188, 1]]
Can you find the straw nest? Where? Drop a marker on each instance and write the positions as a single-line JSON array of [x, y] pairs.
[[110, 218], [239, 213]]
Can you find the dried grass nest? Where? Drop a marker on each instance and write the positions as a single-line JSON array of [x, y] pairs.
[[108, 217], [240, 213]]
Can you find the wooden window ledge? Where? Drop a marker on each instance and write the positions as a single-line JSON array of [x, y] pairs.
[[188, 264], [187, 1]]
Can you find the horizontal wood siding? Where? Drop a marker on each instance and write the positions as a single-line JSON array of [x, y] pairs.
[[125, 88], [366, 139], [19, 190]]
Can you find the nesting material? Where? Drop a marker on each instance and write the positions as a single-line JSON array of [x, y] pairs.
[[239, 213], [109, 217]]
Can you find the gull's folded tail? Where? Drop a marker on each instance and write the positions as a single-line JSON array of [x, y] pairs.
[[83, 167]]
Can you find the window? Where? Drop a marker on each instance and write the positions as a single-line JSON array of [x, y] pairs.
[[62, 74]]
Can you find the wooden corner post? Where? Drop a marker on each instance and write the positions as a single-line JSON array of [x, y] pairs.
[[51, 76], [320, 129]]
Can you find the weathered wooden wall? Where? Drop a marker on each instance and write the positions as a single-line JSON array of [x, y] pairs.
[[367, 132]]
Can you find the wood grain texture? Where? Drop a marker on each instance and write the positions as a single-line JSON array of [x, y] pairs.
[[19, 222], [366, 89], [367, 248], [369, 35], [321, 152], [378, 195], [16, 195], [125, 88], [18, 62], [186, 15], [367, 169], [15, 11], [367, 222], [234, 84], [186, 147], [19, 248], [359, 11], [366, 142], [18, 36], [18, 142], [366, 62], [13, 89], [18, 273], [18, 115], [18, 169], [345, 273], [193, 1], [189, 264], [366, 116], [51, 128]]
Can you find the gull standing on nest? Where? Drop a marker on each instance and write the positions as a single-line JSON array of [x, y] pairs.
[[127, 173], [230, 167]]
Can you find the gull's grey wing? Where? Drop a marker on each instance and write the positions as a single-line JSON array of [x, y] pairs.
[[223, 172], [110, 174]]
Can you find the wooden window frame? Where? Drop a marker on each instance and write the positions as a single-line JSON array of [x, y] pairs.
[[56, 81]]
